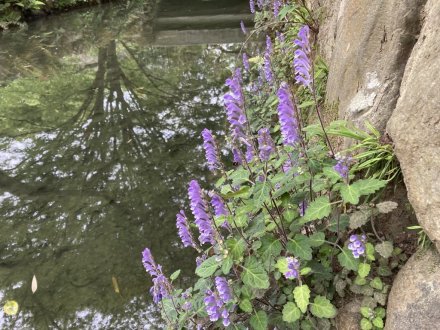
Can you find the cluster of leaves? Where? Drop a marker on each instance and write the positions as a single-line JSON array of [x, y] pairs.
[[267, 225]]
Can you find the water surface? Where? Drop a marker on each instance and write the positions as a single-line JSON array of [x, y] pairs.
[[99, 136]]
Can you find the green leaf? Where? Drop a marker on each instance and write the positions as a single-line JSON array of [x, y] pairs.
[[239, 176], [208, 267], [317, 209], [175, 275], [350, 194], [364, 270], [282, 265], [270, 247], [300, 247], [236, 248], [305, 271], [360, 281], [369, 249], [366, 325], [246, 305], [376, 283], [261, 193], [366, 312], [227, 265], [302, 297], [323, 308], [254, 274], [369, 186], [378, 322], [385, 249], [359, 218], [317, 239], [291, 313], [259, 321], [330, 173], [347, 260]]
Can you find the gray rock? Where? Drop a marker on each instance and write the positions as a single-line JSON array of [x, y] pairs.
[[415, 125], [414, 299], [349, 316], [367, 45]]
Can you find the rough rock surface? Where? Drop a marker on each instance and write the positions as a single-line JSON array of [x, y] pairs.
[[349, 317], [414, 299], [367, 45], [415, 125]]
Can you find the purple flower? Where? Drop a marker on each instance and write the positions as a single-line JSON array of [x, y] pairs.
[[286, 114], [199, 209], [246, 64], [210, 150], [293, 266], [183, 230], [357, 245], [200, 259], [276, 7], [250, 153], [160, 288], [301, 61], [269, 45], [234, 103], [252, 6], [265, 144], [268, 73], [260, 4], [243, 28], [212, 305], [280, 37], [342, 166], [218, 205], [237, 156], [223, 289]]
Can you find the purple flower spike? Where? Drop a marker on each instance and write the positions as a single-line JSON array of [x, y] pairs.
[[237, 156], [260, 4], [265, 144], [286, 114], [252, 6], [268, 73], [269, 45], [301, 61], [160, 288], [250, 153], [357, 245], [243, 27], [246, 64], [276, 7], [199, 209], [210, 150], [234, 103], [293, 266], [218, 205], [183, 230], [212, 306], [223, 289], [342, 166]]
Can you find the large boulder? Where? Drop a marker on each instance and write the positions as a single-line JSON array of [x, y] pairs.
[[415, 125], [414, 299], [367, 45]]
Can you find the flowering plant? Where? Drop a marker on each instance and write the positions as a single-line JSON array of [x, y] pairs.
[[284, 234]]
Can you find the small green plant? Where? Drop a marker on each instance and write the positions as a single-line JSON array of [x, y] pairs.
[[423, 240]]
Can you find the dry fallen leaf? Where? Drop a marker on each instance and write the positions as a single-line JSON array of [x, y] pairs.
[[34, 284], [115, 284]]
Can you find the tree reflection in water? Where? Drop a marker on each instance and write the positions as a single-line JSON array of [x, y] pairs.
[[98, 142]]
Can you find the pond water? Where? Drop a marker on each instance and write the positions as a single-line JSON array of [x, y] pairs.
[[100, 118]]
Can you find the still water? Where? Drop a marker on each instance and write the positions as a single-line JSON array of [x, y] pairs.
[[100, 118]]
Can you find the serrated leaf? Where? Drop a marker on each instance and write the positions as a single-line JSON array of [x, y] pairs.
[[323, 308], [300, 247], [282, 265], [385, 249], [330, 173], [291, 313], [236, 248], [376, 283], [301, 294], [239, 176], [364, 270], [378, 322], [369, 249], [254, 274], [369, 186], [270, 247], [246, 305], [318, 209], [366, 324], [350, 194], [317, 239], [259, 321], [305, 271], [366, 312], [359, 218], [360, 281], [347, 260], [261, 193], [386, 207], [227, 265], [208, 267]]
